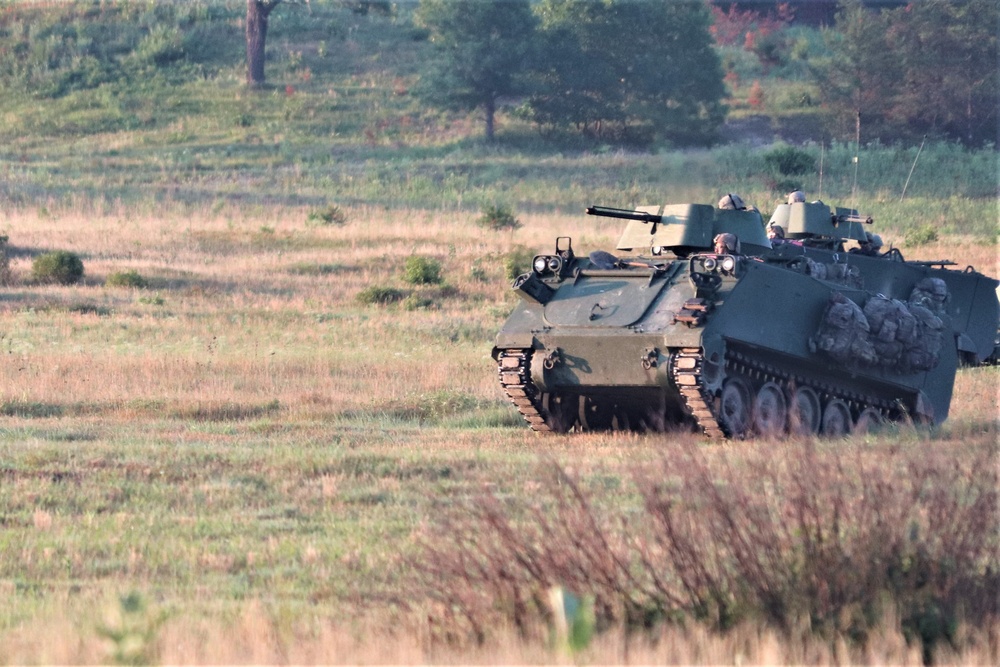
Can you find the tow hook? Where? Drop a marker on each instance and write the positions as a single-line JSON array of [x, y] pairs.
[[649, 358], [552, 359]]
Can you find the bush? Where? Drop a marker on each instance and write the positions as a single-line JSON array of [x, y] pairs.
[[921, 235], [422, 271], [789, 161], [331, 215], [375, 295], [6, 275], [130, 278], [60, 267], [516, 262], [497, 217]]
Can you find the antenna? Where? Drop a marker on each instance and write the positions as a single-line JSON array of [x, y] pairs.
[[822, 147], [912, 167], [857, 151]]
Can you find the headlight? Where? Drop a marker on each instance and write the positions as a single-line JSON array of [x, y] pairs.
[[709, 263], [540, 263], [657, 250], [555, 264], [728, 263]]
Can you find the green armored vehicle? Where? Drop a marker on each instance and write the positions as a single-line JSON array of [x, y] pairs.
[[700, 322]]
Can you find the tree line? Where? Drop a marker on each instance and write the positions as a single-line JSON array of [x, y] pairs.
[[615, 70], [647, 71]]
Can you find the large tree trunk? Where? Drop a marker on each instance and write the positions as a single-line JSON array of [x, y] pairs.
[[257, 12]]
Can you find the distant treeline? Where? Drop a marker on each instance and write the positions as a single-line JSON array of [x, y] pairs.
[[638, 73]]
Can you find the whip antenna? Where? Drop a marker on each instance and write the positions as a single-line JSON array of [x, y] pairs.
[[857, 150], [822, 147], [912, 167]]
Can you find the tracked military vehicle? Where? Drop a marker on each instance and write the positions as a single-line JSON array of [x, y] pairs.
[[697, 321]]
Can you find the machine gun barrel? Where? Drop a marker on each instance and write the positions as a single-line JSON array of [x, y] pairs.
[[624, 214], [862, 219]]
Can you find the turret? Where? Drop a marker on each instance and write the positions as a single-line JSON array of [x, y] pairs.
[[685, 228]]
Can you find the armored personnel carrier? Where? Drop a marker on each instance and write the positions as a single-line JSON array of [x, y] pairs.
[[698, 322]]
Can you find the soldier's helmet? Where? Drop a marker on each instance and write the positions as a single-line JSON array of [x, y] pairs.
[[732, 202], [797, 196], [726, 244], [875, 240]]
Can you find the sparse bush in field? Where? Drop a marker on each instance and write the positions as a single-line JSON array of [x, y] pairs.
[[60, 267], [417, 302], [331, 215], [921, 235], [789, 161], [132, 630], [422, 270], [130, 278], [516, 262], [478, 272], [6, 275], [376, 295], [497, 217], [839, 538]]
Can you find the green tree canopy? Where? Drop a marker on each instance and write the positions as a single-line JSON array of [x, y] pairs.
[[481, 50], [621, 64], [927, 68]]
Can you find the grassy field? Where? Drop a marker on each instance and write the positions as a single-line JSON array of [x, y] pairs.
[[234, 463]]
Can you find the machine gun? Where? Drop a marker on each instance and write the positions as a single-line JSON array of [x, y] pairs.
[[624, 214]]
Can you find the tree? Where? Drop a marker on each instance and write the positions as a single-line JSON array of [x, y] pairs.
[[949, 54], [862, 77], [257, 15], [620, 63], [929, 68], [480, 50]]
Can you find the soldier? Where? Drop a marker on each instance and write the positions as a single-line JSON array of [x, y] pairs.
[[775, 232], [870, 247], [732, 202], [797, 196], [726, 244]]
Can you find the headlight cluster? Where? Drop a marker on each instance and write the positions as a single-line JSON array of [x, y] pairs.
[[723, 263], [546, 264]]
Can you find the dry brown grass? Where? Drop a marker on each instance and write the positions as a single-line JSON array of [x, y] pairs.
[[246, 394]]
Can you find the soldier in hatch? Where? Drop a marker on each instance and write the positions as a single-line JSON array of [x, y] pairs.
[[870, 247], [732, 202], [726, 244]]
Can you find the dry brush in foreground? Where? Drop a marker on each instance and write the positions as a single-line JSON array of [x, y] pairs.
[[838, 541]]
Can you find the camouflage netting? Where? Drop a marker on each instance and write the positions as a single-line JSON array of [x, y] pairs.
[[903, 337]]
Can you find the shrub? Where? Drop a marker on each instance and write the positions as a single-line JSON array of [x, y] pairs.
[[6, 275], [516, 262], [789, 161], [130, 278], [921, 235], [416, 302], [331, 215], [422, 271], [497, 217], [60, 267], [835, 536], [376, 295]]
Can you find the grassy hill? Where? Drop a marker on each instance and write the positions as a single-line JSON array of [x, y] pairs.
[[162, 119]]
